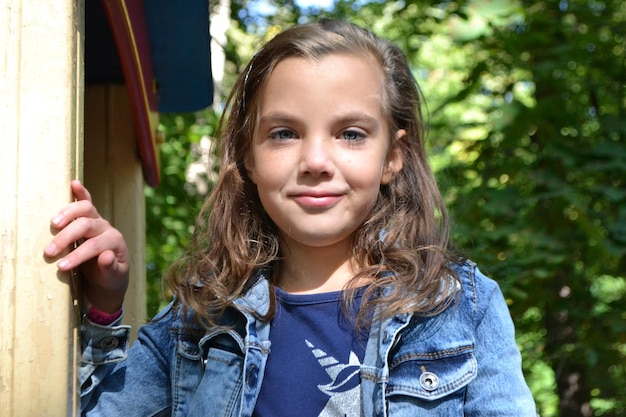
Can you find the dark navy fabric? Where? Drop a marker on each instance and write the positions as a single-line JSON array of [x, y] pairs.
[[181, 56], [313, 365]]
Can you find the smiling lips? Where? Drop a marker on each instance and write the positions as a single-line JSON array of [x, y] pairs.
[[316, 200]]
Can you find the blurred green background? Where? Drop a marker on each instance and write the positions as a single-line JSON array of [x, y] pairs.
[[526, 105]]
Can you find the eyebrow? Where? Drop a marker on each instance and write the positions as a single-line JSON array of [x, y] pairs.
[[342, 119], [277, 117]]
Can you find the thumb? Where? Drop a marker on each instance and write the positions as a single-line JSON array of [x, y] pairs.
[[113, 272]]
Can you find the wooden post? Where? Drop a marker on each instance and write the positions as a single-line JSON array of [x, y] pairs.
[[113, 175], [41, 101]]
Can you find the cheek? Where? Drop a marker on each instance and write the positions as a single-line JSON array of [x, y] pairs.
[[267, 177], [368, 180], [259, 167]]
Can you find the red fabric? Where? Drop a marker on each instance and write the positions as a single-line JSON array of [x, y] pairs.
[[100, 317]]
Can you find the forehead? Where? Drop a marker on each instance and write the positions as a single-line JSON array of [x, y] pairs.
[[362, 66], [339, 80]]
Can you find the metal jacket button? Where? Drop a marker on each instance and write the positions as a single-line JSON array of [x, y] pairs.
[[109, 343], [429, 381]]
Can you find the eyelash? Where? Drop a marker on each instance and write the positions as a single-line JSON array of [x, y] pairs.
[[356, 135], [276, 134]]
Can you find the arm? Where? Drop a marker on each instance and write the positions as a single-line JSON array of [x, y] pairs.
[[121, 384], [115, 380], [103, 262], [500, 388]]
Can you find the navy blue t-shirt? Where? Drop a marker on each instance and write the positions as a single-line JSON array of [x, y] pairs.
[[313, 365]]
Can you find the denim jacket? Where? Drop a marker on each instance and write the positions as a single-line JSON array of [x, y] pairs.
[[462, 362]]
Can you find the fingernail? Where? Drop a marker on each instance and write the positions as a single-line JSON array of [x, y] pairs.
[[63, 264], [56, 220], [51, 249]]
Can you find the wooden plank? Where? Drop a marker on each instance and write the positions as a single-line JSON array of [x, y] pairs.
[[40, 152], [113, 174]]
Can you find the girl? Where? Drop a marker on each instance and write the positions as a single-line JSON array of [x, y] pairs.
[[319, 281]]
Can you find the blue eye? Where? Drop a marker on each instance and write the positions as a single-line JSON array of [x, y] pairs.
[[352, 135], [282, 134]]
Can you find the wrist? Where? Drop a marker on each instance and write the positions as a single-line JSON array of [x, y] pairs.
[[101, 317], [108, 302]]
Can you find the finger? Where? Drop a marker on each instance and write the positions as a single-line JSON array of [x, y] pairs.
[[79, 191], [82, 208], [114, 271], [106, 274], [107, 261], [105, 281], [83, 254], [109, 244], [108, 271], [78, 230]]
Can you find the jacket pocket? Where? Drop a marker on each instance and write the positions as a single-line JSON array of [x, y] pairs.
[[207, 378], [432, 376], [218, 390]]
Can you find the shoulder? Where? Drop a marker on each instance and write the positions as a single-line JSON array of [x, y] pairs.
[[478, 292], [476, 287], [477, 297]]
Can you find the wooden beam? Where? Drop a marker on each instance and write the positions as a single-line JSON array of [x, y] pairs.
[[113, 175], [41, 101]]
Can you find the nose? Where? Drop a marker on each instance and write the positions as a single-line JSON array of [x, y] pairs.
[[316, 157]]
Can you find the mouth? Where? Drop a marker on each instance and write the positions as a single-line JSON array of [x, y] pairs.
[[312, 200]]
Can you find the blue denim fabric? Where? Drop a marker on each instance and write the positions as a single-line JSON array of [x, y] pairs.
[[463, 362]]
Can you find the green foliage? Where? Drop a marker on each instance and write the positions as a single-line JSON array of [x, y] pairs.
[[526, 103], [171, 208]]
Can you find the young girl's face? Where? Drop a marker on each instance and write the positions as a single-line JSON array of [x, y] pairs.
[[321, 148]]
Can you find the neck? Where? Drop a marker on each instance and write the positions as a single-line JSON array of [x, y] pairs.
[[315, 270]]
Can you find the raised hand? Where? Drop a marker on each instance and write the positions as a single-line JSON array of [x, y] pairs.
[[101, 255]]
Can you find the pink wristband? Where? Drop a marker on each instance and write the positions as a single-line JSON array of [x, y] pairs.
[[102, 318]]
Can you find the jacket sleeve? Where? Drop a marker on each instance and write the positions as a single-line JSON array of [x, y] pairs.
[[499, 388], [101, 346], [118, 381]]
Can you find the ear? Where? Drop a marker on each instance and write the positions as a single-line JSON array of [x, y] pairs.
[[395, 159], [248, 163]]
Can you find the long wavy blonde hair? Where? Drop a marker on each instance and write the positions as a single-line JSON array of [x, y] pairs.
[[402, 247]]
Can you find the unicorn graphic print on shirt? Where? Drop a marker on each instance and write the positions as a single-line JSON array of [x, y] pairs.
[[343, 388]]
